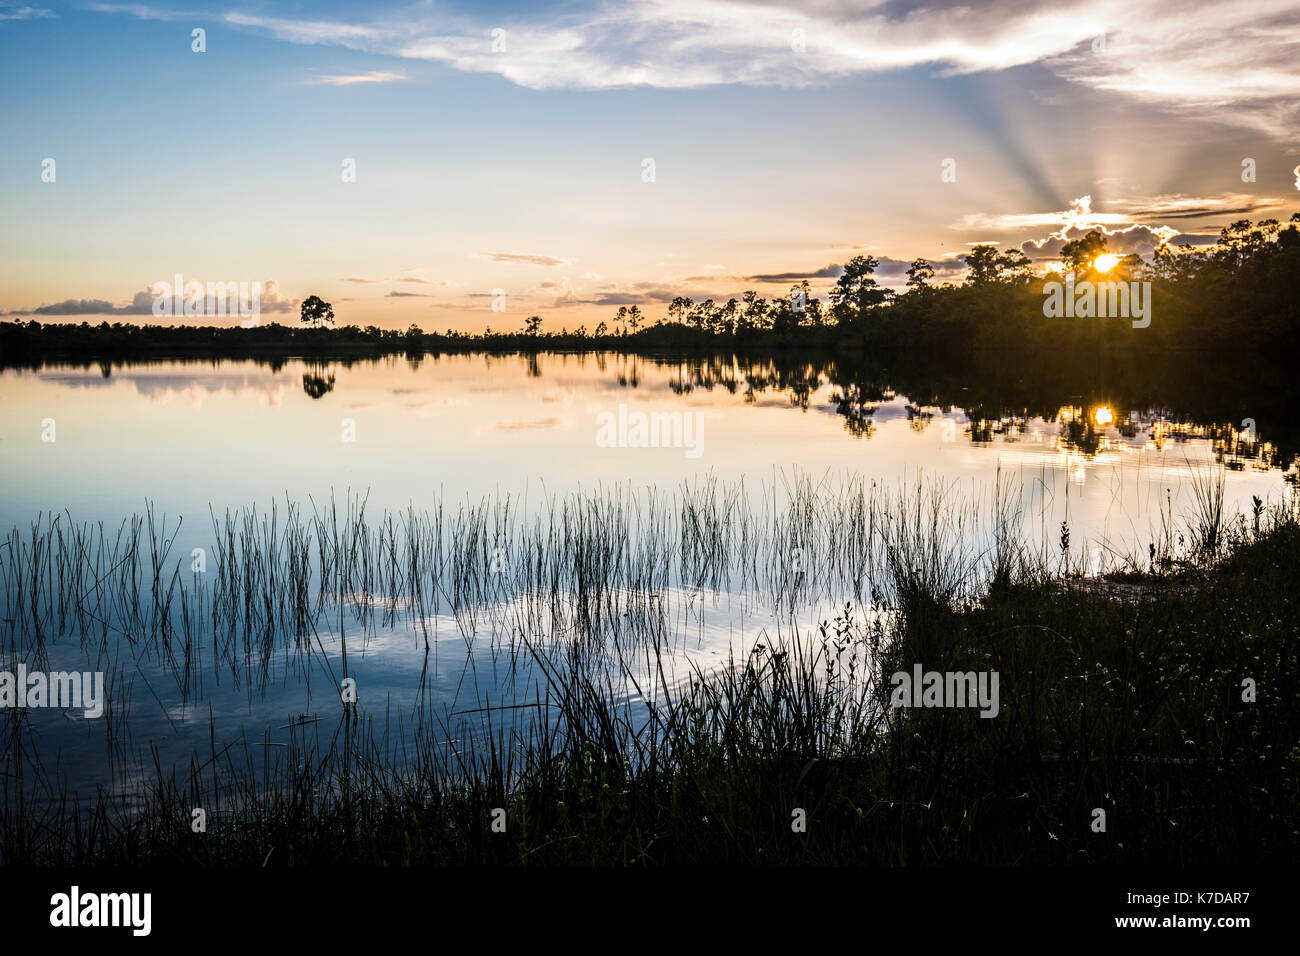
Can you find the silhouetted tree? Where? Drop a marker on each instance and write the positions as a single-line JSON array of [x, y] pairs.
[[988, 266], [919, 274], [1015, 267], [316, 311], [678, 308], [982, 261], [1080, 254], [856, 291]]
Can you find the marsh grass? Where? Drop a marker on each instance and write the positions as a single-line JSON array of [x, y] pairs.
[[611, 757]]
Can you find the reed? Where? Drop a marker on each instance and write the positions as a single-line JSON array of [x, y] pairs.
[[615, 751]]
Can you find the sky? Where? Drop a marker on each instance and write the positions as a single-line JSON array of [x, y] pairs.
[[422, 163]]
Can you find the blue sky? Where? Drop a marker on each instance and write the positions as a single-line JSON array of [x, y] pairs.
[[786, 137]]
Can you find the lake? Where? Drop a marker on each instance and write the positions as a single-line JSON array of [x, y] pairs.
[[442, 529]]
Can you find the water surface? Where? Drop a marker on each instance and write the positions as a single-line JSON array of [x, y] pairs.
[[194, 441]]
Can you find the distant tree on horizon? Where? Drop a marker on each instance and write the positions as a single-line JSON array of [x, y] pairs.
[[316, 311], [989, 267], [856, 291], [1080, 254], [919, 274], [679, 308], [982, 261]]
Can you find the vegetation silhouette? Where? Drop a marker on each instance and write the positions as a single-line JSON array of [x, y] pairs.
[[316, 311], [1240, 295]]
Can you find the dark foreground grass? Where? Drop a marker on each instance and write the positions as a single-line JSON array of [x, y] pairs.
[[1127, 702]]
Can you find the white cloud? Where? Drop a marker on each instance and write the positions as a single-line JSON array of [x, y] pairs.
[[1125, 212], [1229, 61], [351, 79], [1126, 237], [563, 291], [9, 11]]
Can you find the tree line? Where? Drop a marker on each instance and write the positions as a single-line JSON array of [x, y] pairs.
[[1242, 293]]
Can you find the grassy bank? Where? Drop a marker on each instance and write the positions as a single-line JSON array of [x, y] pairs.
[[1123, 695]]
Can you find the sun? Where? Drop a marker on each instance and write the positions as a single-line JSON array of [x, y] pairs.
[[1105, 262], [1103, 415]]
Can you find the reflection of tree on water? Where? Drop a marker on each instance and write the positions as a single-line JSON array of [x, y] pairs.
[[999, 407], [797, 382], [1077, 432], [857, 402], [629, 372], [1143, 402], [1237, 449], [982, 431], [918, 419], [318, 382], [1087, 423]]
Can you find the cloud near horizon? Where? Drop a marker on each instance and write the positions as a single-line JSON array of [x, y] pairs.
[[1124, 231], [142, 303], [1124, 235]]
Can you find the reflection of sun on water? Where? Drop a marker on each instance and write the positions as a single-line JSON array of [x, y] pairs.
[[1106, 262]]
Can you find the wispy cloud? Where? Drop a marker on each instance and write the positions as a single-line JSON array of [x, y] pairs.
[[408, 275], [9, 11], [831, 271], [1123, 212], [1233, 62], [523, 258], [357, 36], [351, 79], [139, 10]]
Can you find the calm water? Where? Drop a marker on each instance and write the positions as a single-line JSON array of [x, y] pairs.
[[197, 439]]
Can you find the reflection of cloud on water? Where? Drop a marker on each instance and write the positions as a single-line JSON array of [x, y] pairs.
[[162, 388], [528, 424], [893, 410]]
